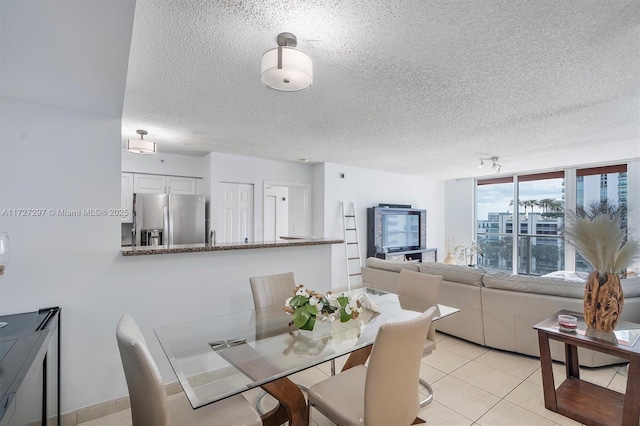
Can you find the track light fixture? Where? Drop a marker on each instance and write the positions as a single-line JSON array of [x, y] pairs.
[[494, 163]]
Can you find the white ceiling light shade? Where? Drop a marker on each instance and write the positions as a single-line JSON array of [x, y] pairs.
[[140, 146], [286, 68]]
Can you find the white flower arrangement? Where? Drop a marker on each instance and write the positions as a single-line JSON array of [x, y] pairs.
[[467, 253], [307, 306]]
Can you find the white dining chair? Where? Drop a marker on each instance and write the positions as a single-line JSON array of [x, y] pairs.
[[149, 402], [417, 292], [268, 291], [383, 392], [271, 290]]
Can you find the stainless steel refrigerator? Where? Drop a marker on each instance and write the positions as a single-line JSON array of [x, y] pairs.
[[168, 219]]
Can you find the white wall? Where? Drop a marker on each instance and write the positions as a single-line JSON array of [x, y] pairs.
[[299, 224], [317, 200], [75, 262], [368, 188], [459, 212]]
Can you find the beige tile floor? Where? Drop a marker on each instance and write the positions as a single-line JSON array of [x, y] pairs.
[[472, 385]]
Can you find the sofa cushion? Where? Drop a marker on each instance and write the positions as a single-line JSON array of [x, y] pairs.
[[388, 265], [551, 286], [569, 276], [533, 284], [631, 286], [455, 273]]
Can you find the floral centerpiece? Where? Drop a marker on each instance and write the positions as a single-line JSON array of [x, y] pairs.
[[307, 306], [467, 253]]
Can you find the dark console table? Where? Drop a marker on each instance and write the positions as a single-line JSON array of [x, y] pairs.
[[30, 368], [580, 400], [420, 255]]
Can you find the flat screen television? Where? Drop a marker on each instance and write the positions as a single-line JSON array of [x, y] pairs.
[[396, 229], [401, 230]]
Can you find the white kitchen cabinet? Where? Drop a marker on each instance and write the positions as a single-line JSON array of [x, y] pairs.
[[126, 197], [159, 184], [182, 185], [149, 184]]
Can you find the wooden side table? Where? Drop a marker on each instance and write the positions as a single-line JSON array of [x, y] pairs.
[[582, 401]]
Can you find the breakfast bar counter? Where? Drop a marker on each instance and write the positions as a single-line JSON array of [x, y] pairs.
[[193, 248]]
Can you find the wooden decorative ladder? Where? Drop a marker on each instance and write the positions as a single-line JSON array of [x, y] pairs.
[[351, 245]]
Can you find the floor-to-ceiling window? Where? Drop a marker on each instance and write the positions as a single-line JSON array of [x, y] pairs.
[[494, 229], [528, 211], [600, 189], [540, 222]]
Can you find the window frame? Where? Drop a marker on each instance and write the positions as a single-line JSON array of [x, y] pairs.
[[570, 176]]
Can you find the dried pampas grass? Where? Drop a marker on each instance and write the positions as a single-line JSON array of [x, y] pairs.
[[600, 241]]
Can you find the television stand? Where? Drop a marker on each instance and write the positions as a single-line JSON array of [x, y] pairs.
[[417, 255]]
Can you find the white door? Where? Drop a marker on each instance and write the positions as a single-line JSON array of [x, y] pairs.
[[276, 213], [236, 217]]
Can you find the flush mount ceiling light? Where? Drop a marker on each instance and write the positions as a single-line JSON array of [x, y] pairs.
[[140, 146], [494, 163], [285, 67]]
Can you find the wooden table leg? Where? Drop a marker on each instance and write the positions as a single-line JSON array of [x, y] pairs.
[[292, 406], [358, 357], [631, 410], [571, 360], [550, 401]]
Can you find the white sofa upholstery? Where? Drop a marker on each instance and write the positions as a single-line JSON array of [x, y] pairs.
[[499, 310], [461, 287]]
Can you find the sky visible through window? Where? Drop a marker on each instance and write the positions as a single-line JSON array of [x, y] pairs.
[[496, 198]]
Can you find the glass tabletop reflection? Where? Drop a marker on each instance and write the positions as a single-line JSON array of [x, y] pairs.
[[224, 355]]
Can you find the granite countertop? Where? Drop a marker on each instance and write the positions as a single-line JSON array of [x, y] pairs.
[[193, 248]]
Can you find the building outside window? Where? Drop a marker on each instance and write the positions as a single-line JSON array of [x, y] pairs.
[[541, 201], [494, 232], [603, 188], [538, 215]]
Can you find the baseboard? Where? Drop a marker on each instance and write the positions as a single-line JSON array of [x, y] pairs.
[[105, 408]]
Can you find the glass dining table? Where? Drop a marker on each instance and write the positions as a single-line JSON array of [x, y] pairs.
[[220, 356]]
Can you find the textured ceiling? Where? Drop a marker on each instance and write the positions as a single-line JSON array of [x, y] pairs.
[[418, 87]]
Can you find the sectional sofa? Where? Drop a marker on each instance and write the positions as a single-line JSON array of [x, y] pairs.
[[499, 310]]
